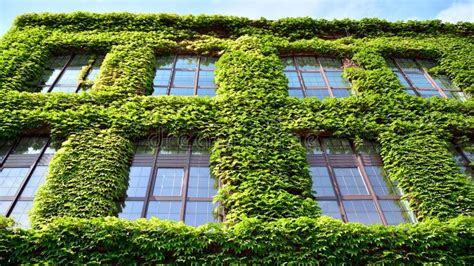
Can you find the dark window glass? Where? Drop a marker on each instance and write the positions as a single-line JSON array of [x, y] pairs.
[[30, 145], [337, 146]]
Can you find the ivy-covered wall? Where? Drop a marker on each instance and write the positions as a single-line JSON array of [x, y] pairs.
[[271, 215]]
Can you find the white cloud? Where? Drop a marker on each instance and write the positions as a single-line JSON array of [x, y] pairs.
[[458, 11]]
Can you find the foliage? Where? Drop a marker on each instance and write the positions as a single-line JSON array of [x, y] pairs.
[[302, 240], [266, 188]]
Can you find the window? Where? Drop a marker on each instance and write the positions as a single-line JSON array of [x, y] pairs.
[[184, 75], [464, 156], [62, 73], [170, 179], [320, 77], [351, 185], [23, 168], [413, 75]]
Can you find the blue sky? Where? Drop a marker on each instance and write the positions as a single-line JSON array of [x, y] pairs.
[[446, 10]]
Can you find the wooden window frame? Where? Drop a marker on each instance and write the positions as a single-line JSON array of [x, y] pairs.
[[299, 72], [354, 160], [186, 162], [173, 69]]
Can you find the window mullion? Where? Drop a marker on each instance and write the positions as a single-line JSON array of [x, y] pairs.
[[369, 185], [406, 77], [151, 179], [173, 71], [335, 185], [61, 73], [196, 75], [300, 77], [326, 81], [184, 191], [430, 79], [27, 178]]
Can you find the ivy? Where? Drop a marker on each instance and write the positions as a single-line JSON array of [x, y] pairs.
[[271, 214]]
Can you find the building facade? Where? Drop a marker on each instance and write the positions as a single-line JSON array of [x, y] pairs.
[[170, 139]]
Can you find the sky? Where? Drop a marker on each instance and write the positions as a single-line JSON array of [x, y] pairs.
[[392, 10]]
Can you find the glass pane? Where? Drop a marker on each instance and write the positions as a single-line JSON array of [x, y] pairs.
[[210, 92], [168, 182], [411, 91], [369, 148], [174, 146], [429, 93], [70, 75], [419, 80], [313, 79], [206, 79], [321, 181], [337, 146], [30, 145], [402, 80], [350, 181], [94, 72], [132, 210], [208, 62], [201, 147], [293, 81], [361, 211], [336, 80], [396, 212], [408, 64], [459, 95], [427, 64], [321, 94], [159, 91], [341, 93], [330, 63], [380, 181], [296, 93], [4, 204], [10, 180], [392, 65], [444, 82], [313, 146], [138, 181], [164, 61], [186, 61], [162, 77], [200, 183], [20, 213], [37, 179], [330, 208], [184, 78], [288, 63], [146, 146], [199, 213], [182, 91], [168, 210], [54, 69], [307, 63], [5, 146], [64, 89]]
